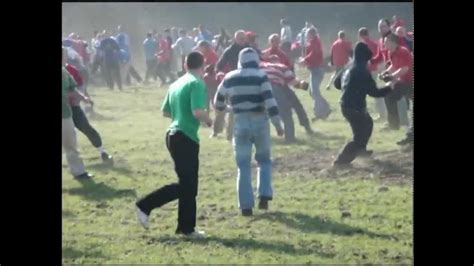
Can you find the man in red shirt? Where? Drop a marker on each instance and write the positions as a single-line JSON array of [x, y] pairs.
[[340, 51], [274, 49], [164, 60], [401, 71], [379, 102], [313, 60], [397, 22], [210, 56]]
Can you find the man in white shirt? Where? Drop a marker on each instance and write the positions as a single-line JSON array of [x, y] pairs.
[[184, 45], [286, 36]]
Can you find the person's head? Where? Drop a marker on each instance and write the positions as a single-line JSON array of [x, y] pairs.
[[182, 32], [391, 42], [195, 62], [283, 22], [394, 18], [167, 32], [362, 53], [363, 33], [203, 46], [401, 32], [384, 26], [120, 28], [311, 33], [341, 34], [240, 38], [196, 32], [149, 35], [274, 40], [307, 24], [251, 38], [201, 27], [248, 58]]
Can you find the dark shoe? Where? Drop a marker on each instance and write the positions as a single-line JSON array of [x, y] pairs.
[[309, 130], [106, 158], [85, 175], [247, 212], [365, 153], [338, 164], [263, 204]]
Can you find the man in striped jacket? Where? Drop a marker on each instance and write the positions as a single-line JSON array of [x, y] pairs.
[[251, 99]]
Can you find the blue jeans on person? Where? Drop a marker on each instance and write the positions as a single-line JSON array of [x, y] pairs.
[[321, 107], [252, 129]]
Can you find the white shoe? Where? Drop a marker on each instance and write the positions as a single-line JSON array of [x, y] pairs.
[[197, 234], [142, 218]]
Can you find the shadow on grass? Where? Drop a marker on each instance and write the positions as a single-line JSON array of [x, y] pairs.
[[94, 116], [315, 141], [306, 223], [102, 167], [247, 244], [71, 253], [91, 190]]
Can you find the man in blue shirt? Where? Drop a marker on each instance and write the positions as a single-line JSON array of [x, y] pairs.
[[150, 47], [204, 34], [124, 43]]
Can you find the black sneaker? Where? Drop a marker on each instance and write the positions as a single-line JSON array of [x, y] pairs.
[[85, 175], [106, 158], [263, 204], [365, 153], [247, 212]]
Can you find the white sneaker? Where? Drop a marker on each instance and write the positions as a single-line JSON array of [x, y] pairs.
[[142, 218], [196, 234]]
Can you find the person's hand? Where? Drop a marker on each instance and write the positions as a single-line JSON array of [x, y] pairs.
[[280, 132], [209, 122], [87, 99]]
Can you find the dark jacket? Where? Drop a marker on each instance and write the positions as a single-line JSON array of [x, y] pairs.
[[356, 82], [111, 51], [229, 58]]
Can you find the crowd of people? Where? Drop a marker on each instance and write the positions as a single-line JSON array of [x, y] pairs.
[[249, 86]]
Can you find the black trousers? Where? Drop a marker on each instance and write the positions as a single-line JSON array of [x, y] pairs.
[[401, 91], [132, 72], [361, 125], [112, 75], [81, 123], [297, 106], [185, 154], [151, 69], [163, 70]]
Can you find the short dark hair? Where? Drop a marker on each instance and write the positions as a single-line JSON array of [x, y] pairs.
[[182, 31], [149, 34], [393, 38], [341, 34], [363, 32], [194, 60], [386, 20], [167, 30]]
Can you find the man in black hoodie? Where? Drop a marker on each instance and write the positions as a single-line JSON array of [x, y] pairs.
[[356, 83]]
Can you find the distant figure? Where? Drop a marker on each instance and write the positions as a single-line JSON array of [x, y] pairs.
[[183, 45], [223, 40], [286, 36], [185, 104], [379, 102], [196, 37], [204, 34], [150, 46], [397, 22], [303, 35], [127, 68], [313, 60], [210, 56], [341, 51], [253, 105], [164, 60], [111, 58], [356, 83]]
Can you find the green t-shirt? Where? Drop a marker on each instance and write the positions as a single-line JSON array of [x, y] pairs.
[[188, 93], [68, 85]]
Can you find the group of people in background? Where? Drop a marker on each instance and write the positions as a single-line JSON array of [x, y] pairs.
[[250, 87]]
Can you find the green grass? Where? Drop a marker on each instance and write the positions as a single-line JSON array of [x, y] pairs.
[[304, 223]]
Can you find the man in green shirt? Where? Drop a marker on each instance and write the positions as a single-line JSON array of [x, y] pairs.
[[185, 104], [69, 140]]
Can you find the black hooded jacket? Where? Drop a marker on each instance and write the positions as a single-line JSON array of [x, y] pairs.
[[356, 82]]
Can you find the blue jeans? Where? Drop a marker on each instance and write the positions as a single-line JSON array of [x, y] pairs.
[[252, 129], [320, 105]]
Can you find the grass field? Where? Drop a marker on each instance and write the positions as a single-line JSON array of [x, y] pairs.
[[358, 215]]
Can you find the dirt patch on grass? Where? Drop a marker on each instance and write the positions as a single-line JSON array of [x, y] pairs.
[[395, 165]]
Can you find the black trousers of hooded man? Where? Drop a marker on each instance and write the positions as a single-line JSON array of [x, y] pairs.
[[356, 83]]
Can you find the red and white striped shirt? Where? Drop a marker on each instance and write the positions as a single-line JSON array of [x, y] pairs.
[[277, 73]]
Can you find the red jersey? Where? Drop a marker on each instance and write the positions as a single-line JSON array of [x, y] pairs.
[[381, 55], [340, 52], [402, 57], [210, 57], [373, 48], [282, 55], [165, 52], [313, 53], [277, 73]]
